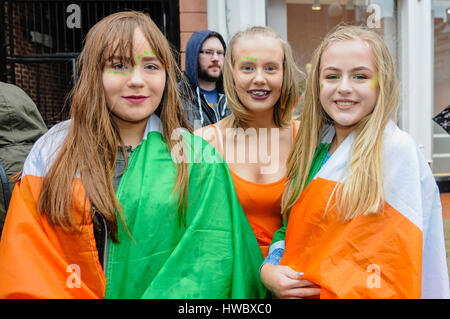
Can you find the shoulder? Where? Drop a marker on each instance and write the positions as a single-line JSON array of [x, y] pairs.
[[403, 160], [45, 150], [397, 142], [408, 180], [198, 150], [208, 133]]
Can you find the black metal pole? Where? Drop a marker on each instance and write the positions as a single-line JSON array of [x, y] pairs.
[[12, 66]]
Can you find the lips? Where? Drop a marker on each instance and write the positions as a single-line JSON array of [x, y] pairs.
[[135, 99], [345, 104], [259, 94]]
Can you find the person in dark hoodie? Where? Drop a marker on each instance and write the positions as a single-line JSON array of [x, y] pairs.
[[204, 101]]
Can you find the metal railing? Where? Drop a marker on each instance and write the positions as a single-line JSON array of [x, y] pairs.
[[41, 40]]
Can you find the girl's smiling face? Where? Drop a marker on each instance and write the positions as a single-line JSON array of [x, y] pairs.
[[134, 92], [258, 71], [348, 82]]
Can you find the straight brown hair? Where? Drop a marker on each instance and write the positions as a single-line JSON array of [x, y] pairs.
[[90, 147]]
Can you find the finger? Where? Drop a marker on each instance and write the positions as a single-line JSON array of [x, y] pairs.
[[290, 273], [297, 283], [306, 283], [302, 292]]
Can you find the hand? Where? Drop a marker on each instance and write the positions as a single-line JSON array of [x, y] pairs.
[[284, 282]]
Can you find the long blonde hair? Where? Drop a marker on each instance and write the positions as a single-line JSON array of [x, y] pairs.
[[93, 139], [282, 111], [362, 190]]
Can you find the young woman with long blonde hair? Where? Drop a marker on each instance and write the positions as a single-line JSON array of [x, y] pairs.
[[364, 211], [261, 85], [106, 208]]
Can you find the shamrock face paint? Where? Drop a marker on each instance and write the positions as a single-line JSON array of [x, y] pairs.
[[348, 77], [248, 58], [138, 57], [258, 76], [134, 92]]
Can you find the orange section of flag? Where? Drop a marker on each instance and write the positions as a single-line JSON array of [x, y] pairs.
[[38, 260], [374, 256], [445, 200]]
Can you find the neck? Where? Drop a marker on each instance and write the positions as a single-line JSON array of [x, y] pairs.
[[341, 134], [131, 133], [263, 120], [205, 85]]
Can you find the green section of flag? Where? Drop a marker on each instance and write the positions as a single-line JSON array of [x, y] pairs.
[[213, 254], [319, 156]]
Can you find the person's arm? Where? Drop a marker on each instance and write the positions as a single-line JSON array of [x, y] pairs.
[[286, 283], [283, 281]]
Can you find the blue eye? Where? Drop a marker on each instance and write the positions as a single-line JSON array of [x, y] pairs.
[[248, 68], [118, 66], [151, 67]]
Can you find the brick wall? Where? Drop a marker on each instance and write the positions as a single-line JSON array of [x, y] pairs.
[[46, 83], [193, 18]]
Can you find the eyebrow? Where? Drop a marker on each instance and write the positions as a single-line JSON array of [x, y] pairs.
[[243, 60], [211, 49], [358, 68], [145, 58], [149, 58]]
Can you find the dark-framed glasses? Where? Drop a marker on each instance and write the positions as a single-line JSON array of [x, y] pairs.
[[211, 53]]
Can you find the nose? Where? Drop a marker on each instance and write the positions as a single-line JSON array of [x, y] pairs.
[[136, 78], [259, 77], [345, 86], [215, 56]]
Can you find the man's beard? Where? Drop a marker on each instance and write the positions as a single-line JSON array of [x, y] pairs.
[[203, 74]]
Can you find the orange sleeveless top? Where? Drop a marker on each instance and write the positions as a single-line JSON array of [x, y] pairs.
[[261, 202]]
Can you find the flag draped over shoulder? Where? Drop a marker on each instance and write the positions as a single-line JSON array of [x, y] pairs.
[[397, 253], [211, 252], [39, 260]]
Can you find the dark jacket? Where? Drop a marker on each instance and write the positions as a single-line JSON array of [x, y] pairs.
[[21, 125], [195, 106]]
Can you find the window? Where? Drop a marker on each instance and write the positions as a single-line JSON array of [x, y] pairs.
[[308, 21], [441, 140]]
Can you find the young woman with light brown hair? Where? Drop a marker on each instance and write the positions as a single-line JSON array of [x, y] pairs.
[[261, 85], [104, 206]]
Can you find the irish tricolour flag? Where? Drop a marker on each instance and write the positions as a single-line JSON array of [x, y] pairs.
[[398, 253], [211, 252]]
